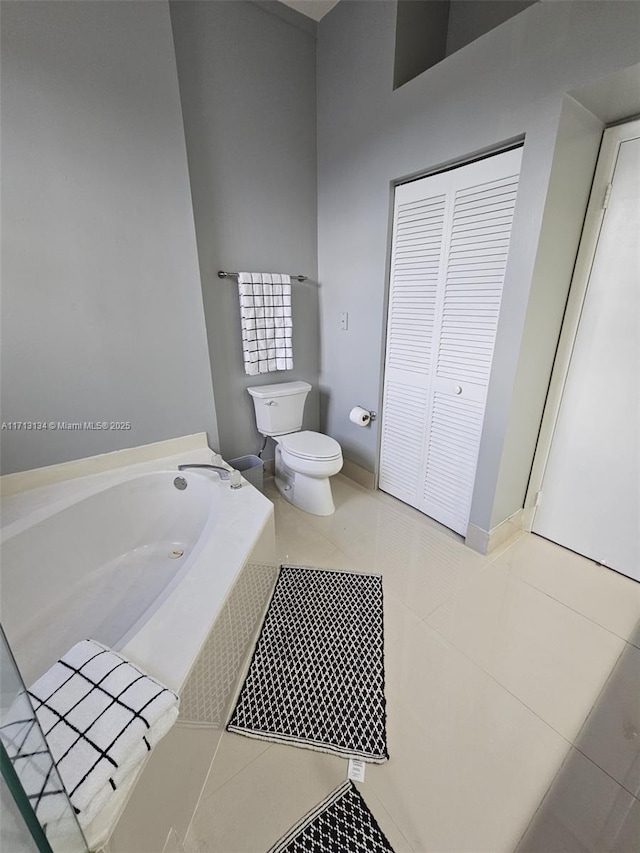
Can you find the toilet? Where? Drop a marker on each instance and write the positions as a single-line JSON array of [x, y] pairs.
[[304, 460]]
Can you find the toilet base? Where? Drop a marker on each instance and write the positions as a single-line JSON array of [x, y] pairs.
[[310, 494]]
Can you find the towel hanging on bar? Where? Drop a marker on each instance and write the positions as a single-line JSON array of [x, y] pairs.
[[223, 274], [266, 321]]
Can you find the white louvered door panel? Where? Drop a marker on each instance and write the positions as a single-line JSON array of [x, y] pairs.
[[454, 359], [452, 453], [416, 269]]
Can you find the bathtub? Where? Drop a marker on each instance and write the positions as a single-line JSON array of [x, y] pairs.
[[132, 562]]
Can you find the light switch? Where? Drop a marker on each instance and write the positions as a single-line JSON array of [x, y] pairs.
[[344, 321]]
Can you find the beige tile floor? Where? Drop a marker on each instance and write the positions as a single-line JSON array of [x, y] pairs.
[[513, 697]]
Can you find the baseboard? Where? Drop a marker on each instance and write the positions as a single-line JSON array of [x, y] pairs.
[[359, 475], [486, 541], [10, 484]]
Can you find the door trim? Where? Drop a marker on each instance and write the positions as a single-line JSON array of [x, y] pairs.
[[612, 138]]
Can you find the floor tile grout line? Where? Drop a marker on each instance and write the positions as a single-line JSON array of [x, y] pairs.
[[586, 719], [542, 799], [496, 681], [450, 644], [457, 648], [380, 496], [456, 592], [491, 561], [364, 535], [244, 767], [312, 528], [551, 784], [200, 795], [606, 772], [579, 613], [571, 743], [545, 594], [448, 597]]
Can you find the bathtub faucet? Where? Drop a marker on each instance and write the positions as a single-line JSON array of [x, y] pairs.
[[224, 473]]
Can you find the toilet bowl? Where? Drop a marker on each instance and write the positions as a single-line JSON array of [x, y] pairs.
[[304, 459], [304, 463]]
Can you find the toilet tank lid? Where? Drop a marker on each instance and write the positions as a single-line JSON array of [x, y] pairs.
[[280, 389]]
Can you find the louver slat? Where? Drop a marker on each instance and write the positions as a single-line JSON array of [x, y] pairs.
[[416, 262], [415, 267], [474, 259], [452, 453], [405, 416]]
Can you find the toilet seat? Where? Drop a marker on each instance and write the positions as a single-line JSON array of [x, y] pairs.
[[311, 446]]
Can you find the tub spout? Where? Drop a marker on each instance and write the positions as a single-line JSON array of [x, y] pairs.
[[223, 472], [234, 478]]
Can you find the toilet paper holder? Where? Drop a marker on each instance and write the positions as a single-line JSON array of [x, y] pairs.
[[361, 416]]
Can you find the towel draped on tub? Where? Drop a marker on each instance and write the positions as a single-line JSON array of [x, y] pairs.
[[101, 715]]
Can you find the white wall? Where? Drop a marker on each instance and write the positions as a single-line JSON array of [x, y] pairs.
[[102, 307], [574, 162], [508, 84]]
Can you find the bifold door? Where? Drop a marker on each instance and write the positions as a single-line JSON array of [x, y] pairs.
[[450, 244]]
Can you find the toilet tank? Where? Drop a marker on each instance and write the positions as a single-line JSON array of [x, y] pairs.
[[279, 407]]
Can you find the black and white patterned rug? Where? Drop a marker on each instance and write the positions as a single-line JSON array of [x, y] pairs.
[[340, 824], [316, 678]]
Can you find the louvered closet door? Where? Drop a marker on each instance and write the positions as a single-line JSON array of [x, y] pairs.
[[450, 244]]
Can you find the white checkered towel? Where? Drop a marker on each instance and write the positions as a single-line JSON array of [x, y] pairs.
[[101, 715], [267, 325]]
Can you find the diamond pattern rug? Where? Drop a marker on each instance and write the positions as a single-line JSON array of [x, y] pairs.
[[316, 678], [339, 824]]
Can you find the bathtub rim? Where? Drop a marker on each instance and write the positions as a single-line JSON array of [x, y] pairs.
[[245, 516]]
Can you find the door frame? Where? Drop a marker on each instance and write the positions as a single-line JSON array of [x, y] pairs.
[[607, 157]]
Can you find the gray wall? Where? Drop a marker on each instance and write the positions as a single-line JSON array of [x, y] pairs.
[[470, 19], [507, 84], [102, 308], [421, 37], [429, 30], [247, 83]]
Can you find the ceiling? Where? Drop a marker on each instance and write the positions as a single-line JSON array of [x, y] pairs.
[[315, 9]]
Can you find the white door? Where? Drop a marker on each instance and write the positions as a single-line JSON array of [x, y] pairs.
[[590, 492], [450, 244]]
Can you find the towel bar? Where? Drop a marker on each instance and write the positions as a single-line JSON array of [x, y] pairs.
[[222, 274]]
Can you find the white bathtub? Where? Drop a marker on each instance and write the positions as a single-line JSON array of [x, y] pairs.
[[103, 562]]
